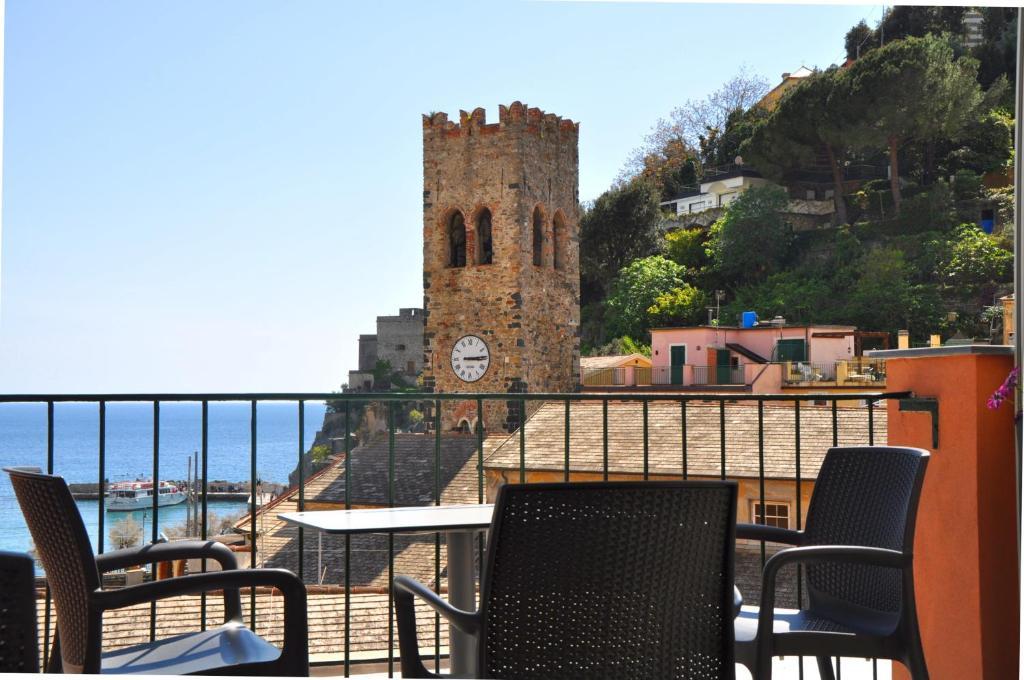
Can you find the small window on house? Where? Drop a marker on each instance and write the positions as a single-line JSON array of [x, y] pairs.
[[561, 241], [775, 514], [399, 348], [410, 368], [538, 238], [484, 245], [457, 240]]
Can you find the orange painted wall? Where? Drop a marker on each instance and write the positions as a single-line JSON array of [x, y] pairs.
[[965, 552]]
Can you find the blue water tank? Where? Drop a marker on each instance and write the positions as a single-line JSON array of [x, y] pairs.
[[749, 320]]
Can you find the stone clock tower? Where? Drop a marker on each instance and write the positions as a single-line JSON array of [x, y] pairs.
[[501, 276]]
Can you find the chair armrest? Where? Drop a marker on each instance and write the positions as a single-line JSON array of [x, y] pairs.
[[295, 647], [851, 554], [764, 532], [282, 579], [467, 622], [164, 552], [405, 589]]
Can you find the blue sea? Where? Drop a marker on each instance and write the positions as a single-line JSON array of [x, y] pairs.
[[129, 452]]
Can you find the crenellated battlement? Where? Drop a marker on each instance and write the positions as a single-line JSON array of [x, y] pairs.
[[515, 116]]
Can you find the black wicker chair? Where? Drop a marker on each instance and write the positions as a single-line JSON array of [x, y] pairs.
[[598, 580], [73, 573], [857, 546], [19, 644]]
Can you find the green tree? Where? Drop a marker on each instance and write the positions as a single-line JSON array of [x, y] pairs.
[[621, 347], [618, 228], [636, 289], [686, 248], [934, 209], [812, 117], [997, 52], [986, 143], [885, 298], [903, 21], [974, 261], [859, 39], [751, 240], [721, 146], [319, 453], [791, 294], [678, 307], [670, 168], [911, 89]]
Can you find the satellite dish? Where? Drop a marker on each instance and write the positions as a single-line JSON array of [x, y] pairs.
[[738, 160]]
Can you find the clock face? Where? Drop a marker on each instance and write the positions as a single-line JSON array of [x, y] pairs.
[[470, 358]]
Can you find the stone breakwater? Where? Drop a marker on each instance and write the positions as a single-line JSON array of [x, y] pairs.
[[218, 490]]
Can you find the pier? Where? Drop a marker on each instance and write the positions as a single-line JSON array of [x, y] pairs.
[[218, 491]]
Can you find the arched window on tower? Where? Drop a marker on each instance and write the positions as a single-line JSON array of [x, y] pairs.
[[538, 237], [484, 245], [456, 240], [561, 242]]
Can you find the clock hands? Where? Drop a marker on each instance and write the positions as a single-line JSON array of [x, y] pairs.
[[480, 358]]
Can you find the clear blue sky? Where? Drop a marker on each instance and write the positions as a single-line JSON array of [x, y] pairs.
[[222, 195]]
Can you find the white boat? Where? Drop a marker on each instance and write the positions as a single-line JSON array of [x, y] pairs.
[[138, 495]]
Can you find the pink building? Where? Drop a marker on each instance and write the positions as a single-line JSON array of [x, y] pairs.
[[765, 358]]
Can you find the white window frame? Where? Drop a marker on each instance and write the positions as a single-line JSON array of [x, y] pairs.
[[754, 502]]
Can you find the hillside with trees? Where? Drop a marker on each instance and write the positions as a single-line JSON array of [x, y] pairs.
[[929, 118]]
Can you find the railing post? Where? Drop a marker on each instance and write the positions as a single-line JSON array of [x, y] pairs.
[[965, 547]]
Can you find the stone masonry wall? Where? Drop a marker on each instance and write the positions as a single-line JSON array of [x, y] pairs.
[[527, 315], [400, 341]]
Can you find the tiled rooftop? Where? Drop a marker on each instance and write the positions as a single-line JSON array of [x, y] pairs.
[[368, 617], [545, 438], [414, 485]]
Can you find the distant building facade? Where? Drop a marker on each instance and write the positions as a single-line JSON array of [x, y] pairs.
[[398, 341], [789, 81], [716, 191]]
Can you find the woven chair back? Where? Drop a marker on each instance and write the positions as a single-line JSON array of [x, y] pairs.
[[64, 549], [610, 580], [19, 646], [864, 496]]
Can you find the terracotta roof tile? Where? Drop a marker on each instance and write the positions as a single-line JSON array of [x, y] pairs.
[[545, 438], [368, 554]]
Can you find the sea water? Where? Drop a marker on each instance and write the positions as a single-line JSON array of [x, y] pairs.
[[129, 452]]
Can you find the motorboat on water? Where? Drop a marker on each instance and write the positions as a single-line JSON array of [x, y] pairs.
[[138, 495]]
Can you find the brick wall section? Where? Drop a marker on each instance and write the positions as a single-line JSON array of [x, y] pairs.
[[528, 315]]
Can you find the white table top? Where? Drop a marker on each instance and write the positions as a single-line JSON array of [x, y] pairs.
[[426, 518]]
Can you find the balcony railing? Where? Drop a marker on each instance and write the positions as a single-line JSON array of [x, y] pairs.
[[857, 372], [756, 439], [664, 376]]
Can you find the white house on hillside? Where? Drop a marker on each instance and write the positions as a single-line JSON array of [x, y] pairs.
[[719, 188]]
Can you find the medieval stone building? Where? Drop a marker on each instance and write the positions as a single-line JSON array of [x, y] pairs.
[[500, 258]]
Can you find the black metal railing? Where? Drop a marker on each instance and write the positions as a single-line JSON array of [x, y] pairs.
[[664, 376], [698, 416]]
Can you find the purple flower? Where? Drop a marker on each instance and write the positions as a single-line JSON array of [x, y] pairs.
[[1005, 391]]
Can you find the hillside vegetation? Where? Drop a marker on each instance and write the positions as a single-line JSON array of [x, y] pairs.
[[904, 252]]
